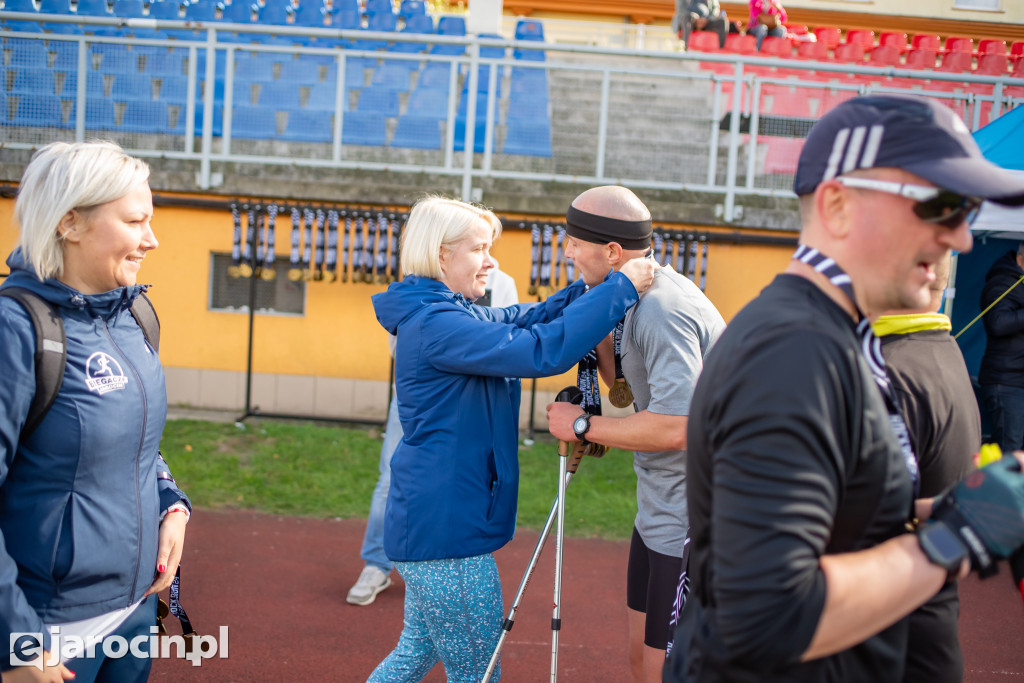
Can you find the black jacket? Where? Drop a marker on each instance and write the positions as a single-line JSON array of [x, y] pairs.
[[1003, 362]]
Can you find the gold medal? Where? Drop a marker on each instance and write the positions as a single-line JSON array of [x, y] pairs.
[[268, 274], [245, 270], [233, 271], [294, 274], [620, 394]]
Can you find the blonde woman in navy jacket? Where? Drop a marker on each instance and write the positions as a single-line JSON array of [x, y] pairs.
[[92, 523], [455, 474]]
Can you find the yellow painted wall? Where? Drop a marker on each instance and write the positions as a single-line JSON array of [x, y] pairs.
[[1011, 12], [339, 335]]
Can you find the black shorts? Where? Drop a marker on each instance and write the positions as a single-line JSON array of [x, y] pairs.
[[651, 580]]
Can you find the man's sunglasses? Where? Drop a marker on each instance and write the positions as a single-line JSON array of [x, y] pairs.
[[933, 205]]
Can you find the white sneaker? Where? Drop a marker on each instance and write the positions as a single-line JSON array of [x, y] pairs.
[[371, 581]]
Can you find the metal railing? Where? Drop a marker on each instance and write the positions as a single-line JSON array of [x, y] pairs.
[[717, 123]]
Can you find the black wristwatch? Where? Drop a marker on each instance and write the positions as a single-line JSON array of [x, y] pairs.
[[942, 547], [581, 425]]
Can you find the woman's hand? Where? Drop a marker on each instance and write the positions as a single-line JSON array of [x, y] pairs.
[[32, 674], [172, 540], [640, 272]]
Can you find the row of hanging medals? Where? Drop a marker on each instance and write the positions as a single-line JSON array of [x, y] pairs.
[[550, 270], [369, 244]]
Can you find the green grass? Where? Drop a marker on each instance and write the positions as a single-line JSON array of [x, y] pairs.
[[298, 468]]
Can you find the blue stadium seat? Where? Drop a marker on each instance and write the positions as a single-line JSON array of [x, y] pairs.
[[379, 6], [34, 81], [345, 6], [355, 72], [129, 9], [145, 116], [363, 128], [174, 90], [31, 53], [243, 93], [313, 13], [381, 101], [279, 95], [529, 29], [309, 126], [93, 8], [238, 12], [525, 80], [412, 8], [483, 79], [450, 26], [94, 85], [217, 128], [417, 24], [117, 58], [38, 110], [322, 97], [66, 60], [165, 64], [487, 52], [419, 132], [428, 103], [53, 7], [522, 107], [383, 22], [164, 9], [259, 67], [29, 26], [132, 87], [528, 137], [435, 75], [276, 14], [19, 6], [299, 71], [479, 133], [254, 123], [481, 105], [200, 11], [4, 108], [390, 76], [99, 115]]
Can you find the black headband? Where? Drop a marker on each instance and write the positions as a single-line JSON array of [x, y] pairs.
[[590, 227]]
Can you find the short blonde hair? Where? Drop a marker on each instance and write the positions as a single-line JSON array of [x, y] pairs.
[[61, 177], [435, 222]]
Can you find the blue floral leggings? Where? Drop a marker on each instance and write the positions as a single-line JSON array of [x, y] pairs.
[[453, 613]]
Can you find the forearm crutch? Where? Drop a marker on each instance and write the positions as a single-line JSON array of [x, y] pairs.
[[571, 395]]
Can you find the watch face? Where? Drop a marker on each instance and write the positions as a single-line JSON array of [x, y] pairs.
[[942, 546], [580, 424]]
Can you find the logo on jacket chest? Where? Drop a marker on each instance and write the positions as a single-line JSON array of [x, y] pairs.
[[103, 374]]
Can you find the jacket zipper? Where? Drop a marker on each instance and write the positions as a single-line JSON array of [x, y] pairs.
[[138, 456]]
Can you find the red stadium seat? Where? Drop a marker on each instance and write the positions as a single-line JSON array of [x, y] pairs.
[[811, 50], [704, 41], [920, 58], [893, 39], [884, 55], [1017, 71], [956, 62], [830, 35], [992, 65], [926, 41], [991, 46], [781, 154], [785, 100], [797, 29], [741, 43], [850, 52], [774, 46], [959, 44], [1017, 48], [862, 36]]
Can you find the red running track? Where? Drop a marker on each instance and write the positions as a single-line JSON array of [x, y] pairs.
[[279, 584]]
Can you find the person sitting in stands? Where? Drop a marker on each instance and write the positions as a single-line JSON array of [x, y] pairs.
[[767, 18], [700, 15]]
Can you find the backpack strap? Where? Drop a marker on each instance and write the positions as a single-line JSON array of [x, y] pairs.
[[50, 356], [145, 315]]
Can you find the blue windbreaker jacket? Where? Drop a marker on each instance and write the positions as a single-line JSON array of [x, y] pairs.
[[80, 498], [455, 474]]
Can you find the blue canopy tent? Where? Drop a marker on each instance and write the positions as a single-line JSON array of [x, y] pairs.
[[998, 230]]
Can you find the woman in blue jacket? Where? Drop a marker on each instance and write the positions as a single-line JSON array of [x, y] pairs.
[[455, 474], [92, 523]]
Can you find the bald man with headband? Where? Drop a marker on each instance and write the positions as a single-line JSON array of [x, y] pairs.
[[662, 342]]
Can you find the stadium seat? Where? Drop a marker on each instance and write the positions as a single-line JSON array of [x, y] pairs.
[[299, 71], [529, 29], [419, 24], [259, 67], [30, 53], [992, 64], [959, 44], [419, 132], [741, 43], [306, 125], [435, 75], [200, 11], [774, 46], [920, 58], [893, 39], [412, 8], [830, 35], [381, 101], [164, 9], [35, 81], [253, 122], [390, 77], [533, 108], [528, 137], [276, 14], [238, 12], [481, 106], [864, 37], [479, 135], [781, 154], [4, 107], [812, 51], [321, 97], [379, 6], [94, 85], [174, 90], [20, 6], [53, 7], [852, 53], [165, 64], [313, 13], [99, 115], [38, 110], [785, 100], [956, 62], [450, 26], [991, 46], [382, 22], [363, 128], [703, 41], [1017, 48], [217, 125], [279, 95], [118, 59], [132, 87], [428, 103], [93, 8], [884, 55], [66, 58], [926, 41], [129, 9]]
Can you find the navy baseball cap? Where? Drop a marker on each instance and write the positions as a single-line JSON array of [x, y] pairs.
[[909, 132]]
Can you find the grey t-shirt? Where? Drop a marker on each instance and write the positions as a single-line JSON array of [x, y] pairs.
[[665, 338]]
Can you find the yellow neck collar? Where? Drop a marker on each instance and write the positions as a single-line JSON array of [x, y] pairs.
[[913, 322]]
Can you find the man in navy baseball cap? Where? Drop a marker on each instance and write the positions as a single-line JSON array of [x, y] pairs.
[[801, 477]]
